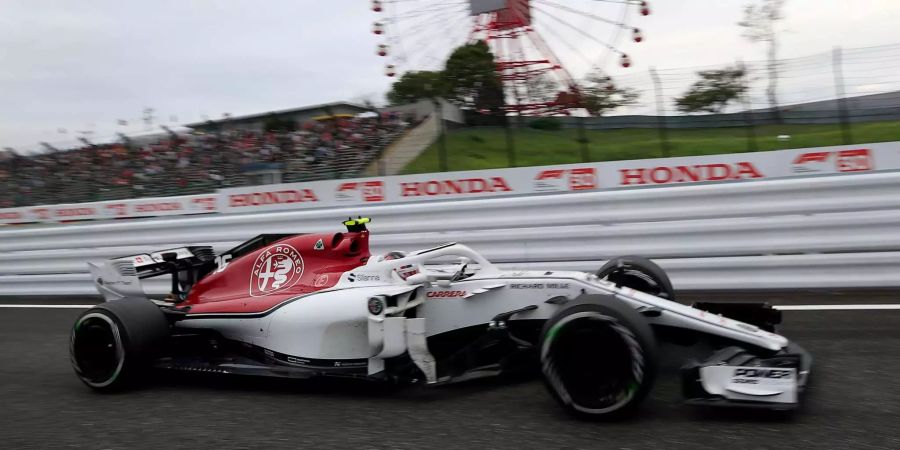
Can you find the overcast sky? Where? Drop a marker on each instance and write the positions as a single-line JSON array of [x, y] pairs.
[[82, 65]]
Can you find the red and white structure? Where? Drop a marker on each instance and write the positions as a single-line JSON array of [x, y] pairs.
[[540, 46]]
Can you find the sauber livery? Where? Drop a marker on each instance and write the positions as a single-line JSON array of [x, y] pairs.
[[304, 305]]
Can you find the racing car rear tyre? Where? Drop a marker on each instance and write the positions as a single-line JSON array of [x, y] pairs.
[[114, 342], [638, 273], [598, 358]]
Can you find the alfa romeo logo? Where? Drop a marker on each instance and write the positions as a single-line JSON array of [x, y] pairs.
[[277, 268], [376, 306]]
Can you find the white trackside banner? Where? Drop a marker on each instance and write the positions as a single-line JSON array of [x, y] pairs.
[[595, 176], [141, 207], [564, 178]]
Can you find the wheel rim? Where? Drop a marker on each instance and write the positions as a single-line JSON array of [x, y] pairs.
[[96, 350], [593, 363]]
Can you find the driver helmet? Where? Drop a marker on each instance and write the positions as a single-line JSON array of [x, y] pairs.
[[404, 271]]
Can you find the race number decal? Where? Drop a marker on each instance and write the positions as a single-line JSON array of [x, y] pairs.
[[277, 268], [222, 262], [320, 280]]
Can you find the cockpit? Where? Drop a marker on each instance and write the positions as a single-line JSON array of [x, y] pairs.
[[438, 264]]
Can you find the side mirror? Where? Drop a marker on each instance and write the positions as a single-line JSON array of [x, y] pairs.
[[461, 272]]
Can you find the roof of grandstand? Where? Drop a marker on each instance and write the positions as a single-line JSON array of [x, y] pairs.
[[302, 113]]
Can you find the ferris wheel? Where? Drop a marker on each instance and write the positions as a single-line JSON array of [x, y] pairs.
[[534, 42]]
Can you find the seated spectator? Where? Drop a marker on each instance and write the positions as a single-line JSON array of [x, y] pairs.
[[194, 163]]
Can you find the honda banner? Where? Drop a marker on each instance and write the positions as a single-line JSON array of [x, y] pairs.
[[737, 167], [141, 207]]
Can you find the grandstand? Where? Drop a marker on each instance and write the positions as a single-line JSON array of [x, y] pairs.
[[258, 122], [325, 141]]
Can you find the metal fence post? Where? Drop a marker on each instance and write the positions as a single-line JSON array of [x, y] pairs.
[[836, 65], [582, 138], [442, 136], [510, 142], [661, 119]]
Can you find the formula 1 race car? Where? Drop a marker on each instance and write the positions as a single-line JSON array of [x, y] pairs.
[[304, 305]]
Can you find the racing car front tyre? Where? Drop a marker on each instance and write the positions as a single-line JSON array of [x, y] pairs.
[[114, 342], [638, 273], [598, 357]]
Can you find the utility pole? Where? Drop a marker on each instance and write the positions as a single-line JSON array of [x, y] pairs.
[[661, 119], [841, 98]]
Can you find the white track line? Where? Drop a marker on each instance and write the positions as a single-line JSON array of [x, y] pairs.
[[780, 307], [49, 306], [836, 307]]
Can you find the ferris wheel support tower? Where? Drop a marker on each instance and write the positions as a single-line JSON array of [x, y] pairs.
[[536, 81], [505, 26]]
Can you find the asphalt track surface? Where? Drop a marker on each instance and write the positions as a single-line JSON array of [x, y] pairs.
[[854, 401]]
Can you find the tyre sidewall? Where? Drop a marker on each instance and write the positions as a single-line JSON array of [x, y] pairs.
[[623, 316], [640, 264], [141, 329]]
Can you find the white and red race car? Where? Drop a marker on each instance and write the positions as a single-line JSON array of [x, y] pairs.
[[303, 305]]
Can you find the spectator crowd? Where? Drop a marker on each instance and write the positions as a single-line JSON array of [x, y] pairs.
[[193, 163]]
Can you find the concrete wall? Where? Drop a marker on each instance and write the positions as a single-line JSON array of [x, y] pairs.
[[425, 107]]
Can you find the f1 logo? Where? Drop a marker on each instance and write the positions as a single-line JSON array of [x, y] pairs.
[[205, 203], [118, 209], [41, 213], [579, 179], [582, 179], [855, 160], [371, 191], [858, 160]]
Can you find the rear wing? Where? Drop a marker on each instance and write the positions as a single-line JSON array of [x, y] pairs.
[[153, 264], [119, 278]]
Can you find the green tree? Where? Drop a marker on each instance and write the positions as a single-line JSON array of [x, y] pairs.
[[600, 95], [714, 91], [471, 80], [541, 89], [413, 86]]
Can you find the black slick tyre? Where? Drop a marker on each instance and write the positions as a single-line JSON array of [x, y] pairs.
[[598, 358], [638, 273], [113, 343]]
